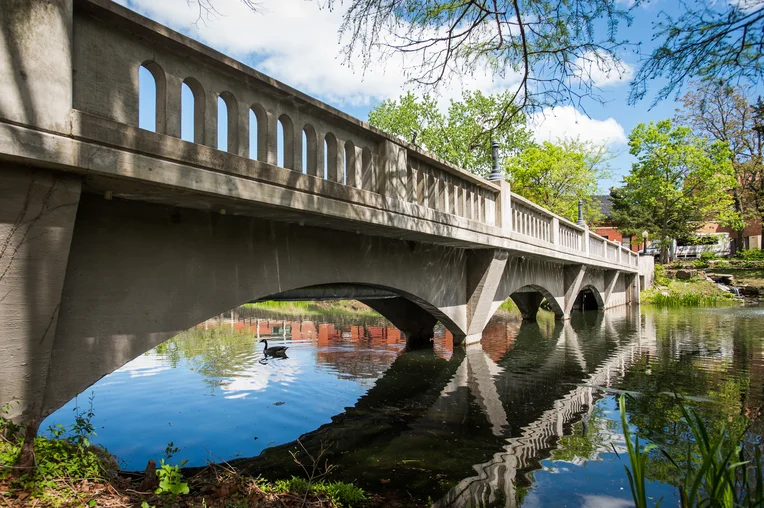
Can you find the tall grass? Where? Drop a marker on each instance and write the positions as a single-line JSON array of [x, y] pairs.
[[684, 300], [714, 474]]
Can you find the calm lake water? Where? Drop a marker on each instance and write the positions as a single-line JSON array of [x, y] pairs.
[[527, 418]]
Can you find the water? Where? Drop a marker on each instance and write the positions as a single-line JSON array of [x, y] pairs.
[[528, 417]]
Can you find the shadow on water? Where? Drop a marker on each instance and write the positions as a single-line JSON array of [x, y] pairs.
[[528, 416]]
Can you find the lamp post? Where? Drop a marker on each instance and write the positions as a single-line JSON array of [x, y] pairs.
[[644, 241], [496, 173], [580, 220]]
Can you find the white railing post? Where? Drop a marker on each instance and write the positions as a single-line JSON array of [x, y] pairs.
[[555, 232], [504, 203], [585, 241]]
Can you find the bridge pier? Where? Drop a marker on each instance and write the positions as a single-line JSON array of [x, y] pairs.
[[37, 214], [416, 323], [528, 303]]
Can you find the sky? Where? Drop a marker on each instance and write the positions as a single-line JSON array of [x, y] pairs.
[[297, 42]]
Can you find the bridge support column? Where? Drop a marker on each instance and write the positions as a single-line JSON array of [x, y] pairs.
[[574, 281], [408, 317], [528, 303], [37, 215], [485, 269]]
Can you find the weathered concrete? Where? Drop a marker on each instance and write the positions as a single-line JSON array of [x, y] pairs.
[[37, 214], [167, 233]]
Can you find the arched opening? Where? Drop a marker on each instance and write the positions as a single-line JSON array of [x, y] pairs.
[[285, 142], [588, 299], [413, 316], [228, 114], [351, 173], [529, 299], [192, 111], [309, 150], [152, 93], [331, 167], [258, 133]]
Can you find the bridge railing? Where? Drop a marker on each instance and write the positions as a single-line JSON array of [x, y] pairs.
[[328, 152], [280, 136], [531, 221]]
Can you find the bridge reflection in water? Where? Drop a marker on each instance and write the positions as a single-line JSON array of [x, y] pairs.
[[485, 414]]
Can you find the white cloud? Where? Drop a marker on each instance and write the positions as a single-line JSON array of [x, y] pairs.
[[602, 70], [565, 122], [296, 42]]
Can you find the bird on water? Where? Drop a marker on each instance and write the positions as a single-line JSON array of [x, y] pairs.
[[273, 350]]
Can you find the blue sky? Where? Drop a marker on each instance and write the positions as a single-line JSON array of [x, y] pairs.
[[296, 42]]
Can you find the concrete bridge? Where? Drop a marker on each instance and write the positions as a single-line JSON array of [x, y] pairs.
[[114, 238]]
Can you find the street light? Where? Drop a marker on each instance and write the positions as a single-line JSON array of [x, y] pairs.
[[496, 174], [644, 240], [581, 221]]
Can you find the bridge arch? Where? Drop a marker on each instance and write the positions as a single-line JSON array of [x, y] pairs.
[[258, 132], [414, 314], [196, 110], [286, 149], [331, 154], [232, 121], [529, 297], [159, 99], [310, 150], [588, 298]]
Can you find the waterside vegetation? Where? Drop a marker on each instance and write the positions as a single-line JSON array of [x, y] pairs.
[[69, 471]]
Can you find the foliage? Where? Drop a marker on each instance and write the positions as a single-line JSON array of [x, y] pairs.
[[711, 472], [344, 494], [557, 176], [660, 275], [715, 41], [637, 458], [723, 112], [686, 294], [463, 134], [750, 254], [60, 461], [557, 49], [678, 182], [708, 256], [171, 480]]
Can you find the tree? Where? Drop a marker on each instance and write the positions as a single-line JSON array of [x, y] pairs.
[[678, 182], [461, 135], [719, 111], [557, 176], [552, 51], [716, 41]]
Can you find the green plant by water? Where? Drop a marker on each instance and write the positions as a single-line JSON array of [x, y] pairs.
[[716, 470], [67, 455]]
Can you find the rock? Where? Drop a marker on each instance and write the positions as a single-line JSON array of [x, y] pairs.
[[686, 274], [150, 480], [722, 278]]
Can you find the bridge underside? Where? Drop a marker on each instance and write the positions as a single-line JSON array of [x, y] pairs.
[[95, 282]]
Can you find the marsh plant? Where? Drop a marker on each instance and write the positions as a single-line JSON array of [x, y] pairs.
[[716, 471]]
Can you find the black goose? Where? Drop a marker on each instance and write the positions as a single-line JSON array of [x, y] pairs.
[[273, 350]]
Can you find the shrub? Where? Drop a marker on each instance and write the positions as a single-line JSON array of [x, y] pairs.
[[708, 256], [660, 275], [751, 254]]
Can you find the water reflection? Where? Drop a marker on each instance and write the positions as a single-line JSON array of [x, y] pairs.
[[527, 417]]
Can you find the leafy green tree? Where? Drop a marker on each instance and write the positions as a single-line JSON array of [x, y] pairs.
[[678, 182], [462, 135], [720, 111], [557, 176]]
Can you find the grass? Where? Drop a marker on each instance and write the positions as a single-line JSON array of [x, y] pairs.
[[691, 293], [310, 308]]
